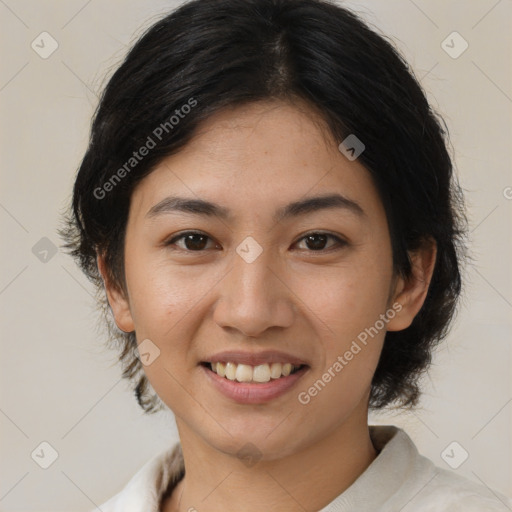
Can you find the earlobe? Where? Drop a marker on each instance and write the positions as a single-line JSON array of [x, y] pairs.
[[410, 292], [116, 298]]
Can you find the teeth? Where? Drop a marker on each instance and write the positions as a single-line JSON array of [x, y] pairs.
[[231, 371], [275, 370], [243, 373], [248, 373], [221, 369], [287, 369], [261, 373]]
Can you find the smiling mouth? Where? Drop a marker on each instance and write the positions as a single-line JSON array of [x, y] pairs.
[[252, 374]]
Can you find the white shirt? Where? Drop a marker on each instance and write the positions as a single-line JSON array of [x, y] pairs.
[[398, 480]]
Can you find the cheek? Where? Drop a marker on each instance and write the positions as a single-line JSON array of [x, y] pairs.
[[346, 298], [347, 303], [346, 309], [161, 294], [163, 300]]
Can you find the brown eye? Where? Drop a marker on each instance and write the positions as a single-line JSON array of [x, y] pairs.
[[192, 241], [318, 241]]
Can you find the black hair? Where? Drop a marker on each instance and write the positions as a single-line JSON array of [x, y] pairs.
[[209, 55]]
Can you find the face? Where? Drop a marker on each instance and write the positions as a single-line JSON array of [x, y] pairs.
[[299, 288]]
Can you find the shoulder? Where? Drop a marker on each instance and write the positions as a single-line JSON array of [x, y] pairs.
[[145, 489], [447, 491], [431, 488], [413, 483]]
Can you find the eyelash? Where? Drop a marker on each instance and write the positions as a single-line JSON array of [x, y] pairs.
[[340, 242]]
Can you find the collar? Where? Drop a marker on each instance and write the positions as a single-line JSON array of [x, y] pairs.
[[396, 457]]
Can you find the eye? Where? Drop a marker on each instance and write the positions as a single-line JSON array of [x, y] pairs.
[[194, 241], [316, 241]]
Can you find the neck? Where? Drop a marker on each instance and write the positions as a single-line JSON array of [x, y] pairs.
[[305, 480]]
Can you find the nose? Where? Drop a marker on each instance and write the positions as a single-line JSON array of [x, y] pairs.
[[254, 297]]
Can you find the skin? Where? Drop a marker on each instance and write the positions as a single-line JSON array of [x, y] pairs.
[[313, 304]]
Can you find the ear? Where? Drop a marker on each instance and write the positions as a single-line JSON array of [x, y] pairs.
[[411, 292], [116, 298]]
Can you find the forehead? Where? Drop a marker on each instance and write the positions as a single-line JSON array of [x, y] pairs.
[[258, 156], [264, 132]]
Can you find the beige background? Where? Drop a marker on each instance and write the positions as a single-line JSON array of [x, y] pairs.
[[59, 385]]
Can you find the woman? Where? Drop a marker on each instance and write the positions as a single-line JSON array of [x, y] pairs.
[[268, 203]]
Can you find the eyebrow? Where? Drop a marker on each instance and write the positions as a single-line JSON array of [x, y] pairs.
[[194, 206]]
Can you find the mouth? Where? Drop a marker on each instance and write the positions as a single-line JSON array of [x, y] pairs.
[[255, 374], [252, 384]]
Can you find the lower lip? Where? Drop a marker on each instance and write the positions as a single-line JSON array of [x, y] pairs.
[[253, 393]]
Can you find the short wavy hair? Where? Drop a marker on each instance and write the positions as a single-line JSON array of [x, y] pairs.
[[227, 53]]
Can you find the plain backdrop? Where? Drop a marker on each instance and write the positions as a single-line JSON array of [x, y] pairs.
[[58, 383]]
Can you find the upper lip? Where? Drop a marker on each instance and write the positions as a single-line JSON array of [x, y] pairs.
[[254, 358]]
